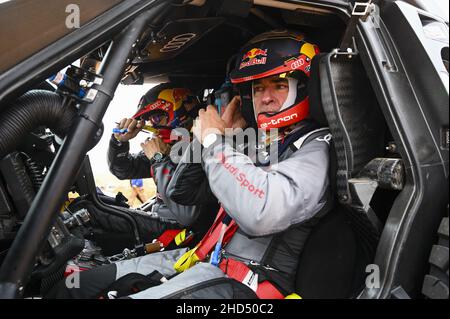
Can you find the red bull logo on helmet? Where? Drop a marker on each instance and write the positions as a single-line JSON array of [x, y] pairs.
[[180, 94], [253, 57]]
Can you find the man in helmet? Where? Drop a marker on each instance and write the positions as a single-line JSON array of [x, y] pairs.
[[268, 209], [163, 108], [272, 206]]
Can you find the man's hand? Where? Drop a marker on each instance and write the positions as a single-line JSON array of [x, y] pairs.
[[232, 116], [151, 146], [133, 127], [208, 122]]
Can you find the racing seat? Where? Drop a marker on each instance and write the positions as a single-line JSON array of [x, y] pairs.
[[344, 241]]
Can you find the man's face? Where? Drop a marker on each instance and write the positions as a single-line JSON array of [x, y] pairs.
[[157, 119], [269, 94]]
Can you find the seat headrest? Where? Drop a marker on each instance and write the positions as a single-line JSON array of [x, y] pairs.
[[315, 100]]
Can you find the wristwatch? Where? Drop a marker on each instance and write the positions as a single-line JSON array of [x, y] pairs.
[[209, 140], [157, 157]]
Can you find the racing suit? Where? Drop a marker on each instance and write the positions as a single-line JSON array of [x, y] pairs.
[[274, 206], [164, 213]]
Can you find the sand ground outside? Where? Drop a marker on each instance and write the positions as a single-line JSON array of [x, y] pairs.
[[111, 185]]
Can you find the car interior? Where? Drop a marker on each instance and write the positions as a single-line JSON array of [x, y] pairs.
[[196, 46]]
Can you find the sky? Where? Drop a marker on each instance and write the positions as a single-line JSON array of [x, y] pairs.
[[123, 105]]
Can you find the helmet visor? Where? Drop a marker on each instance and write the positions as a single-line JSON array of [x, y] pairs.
[[157, 118]]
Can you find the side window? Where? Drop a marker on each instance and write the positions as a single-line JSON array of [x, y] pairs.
[[123, 105]]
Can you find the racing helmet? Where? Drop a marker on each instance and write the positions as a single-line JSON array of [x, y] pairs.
[[164, 107], [280, 52]]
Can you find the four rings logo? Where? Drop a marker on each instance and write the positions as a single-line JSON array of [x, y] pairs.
[[297, 64], [177, 42], [159, 104]]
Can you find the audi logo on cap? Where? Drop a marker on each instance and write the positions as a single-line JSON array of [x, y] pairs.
[[297, 63]]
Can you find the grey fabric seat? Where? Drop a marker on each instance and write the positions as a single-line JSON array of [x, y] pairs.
[[344, 242]]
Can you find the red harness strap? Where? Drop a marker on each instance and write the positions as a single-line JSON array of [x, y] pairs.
[[212, 236], [233, 268], [240, 272], [168, 236]]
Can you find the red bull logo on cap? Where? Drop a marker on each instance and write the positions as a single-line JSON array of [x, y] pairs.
[[253, 57]]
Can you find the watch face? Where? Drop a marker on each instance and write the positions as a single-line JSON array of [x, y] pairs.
[[158, 156]]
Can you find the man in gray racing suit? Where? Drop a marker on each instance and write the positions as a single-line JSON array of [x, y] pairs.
[[268, 208]]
